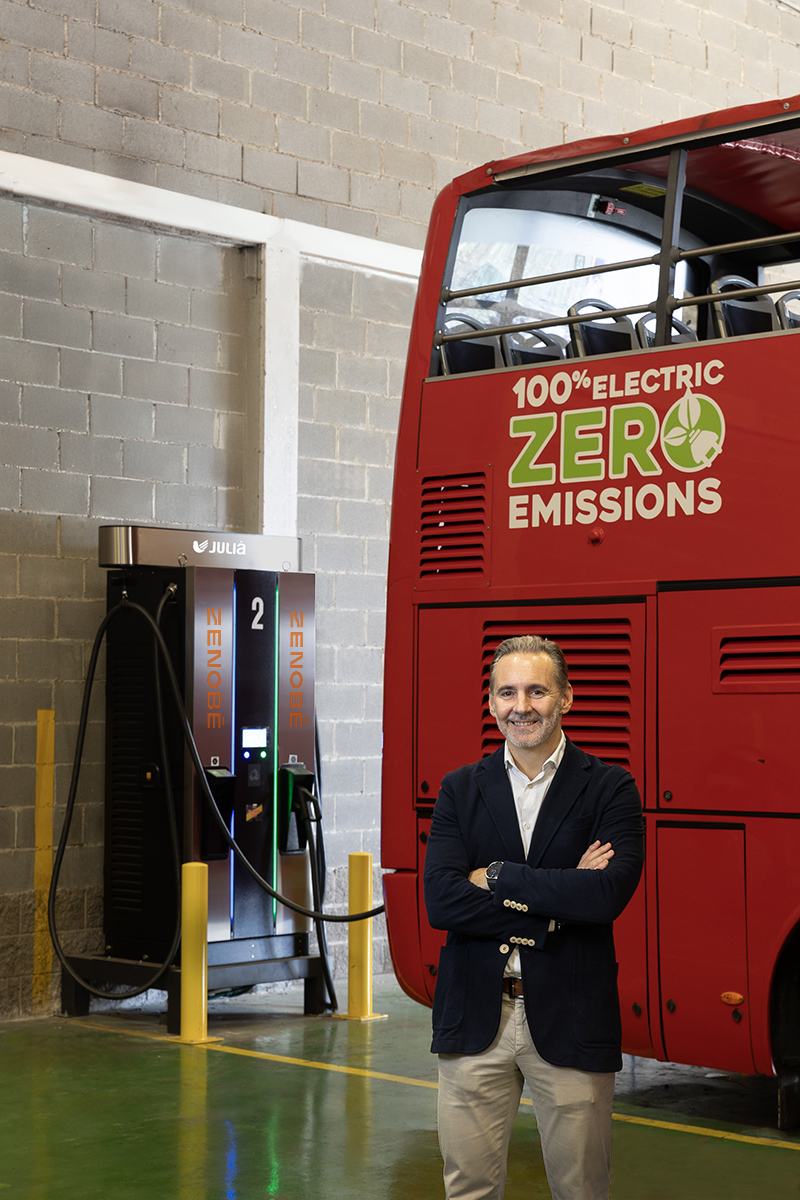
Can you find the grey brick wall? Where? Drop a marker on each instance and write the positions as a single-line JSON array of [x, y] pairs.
[[123, 356], [122, 364], [353, 114], [354, 329]]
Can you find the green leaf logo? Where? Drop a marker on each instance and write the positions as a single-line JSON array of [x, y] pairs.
[[693, 432]]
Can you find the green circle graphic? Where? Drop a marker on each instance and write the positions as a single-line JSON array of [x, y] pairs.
[[693, 432]]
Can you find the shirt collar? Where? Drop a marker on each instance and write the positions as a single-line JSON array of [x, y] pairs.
[[552, 763]]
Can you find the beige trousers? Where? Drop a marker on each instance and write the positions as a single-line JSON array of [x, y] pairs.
[[479, 1096]]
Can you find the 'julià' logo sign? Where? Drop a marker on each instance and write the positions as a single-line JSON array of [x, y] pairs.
[[208, 547]]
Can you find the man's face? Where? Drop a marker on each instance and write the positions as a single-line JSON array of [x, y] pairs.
[[526, 702]]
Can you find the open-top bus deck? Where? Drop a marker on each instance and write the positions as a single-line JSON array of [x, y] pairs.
[[600, 442]]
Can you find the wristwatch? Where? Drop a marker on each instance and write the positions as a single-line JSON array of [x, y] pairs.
[[492, 871]]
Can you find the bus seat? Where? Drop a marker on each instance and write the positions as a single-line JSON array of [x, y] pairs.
[[459, 358], [533, 346], [788, 317], [646, 331], [599, 334], [738, 318]]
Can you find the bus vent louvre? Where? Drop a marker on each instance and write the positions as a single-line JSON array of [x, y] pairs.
[[453, 525], [762, 658], [599, 654]]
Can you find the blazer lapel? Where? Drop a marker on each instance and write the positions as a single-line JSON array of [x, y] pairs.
[[570, 780], [498, 799]]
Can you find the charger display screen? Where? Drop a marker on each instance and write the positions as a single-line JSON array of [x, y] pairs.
[[254, 739]]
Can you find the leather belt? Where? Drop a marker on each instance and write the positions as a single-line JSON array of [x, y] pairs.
[[512, 987]]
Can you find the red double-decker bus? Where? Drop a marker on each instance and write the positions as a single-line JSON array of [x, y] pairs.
[[600, 442]]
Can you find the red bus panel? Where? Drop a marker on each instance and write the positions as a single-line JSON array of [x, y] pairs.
[[603, 473], [402, 923], [604, 648], [725, 657], [703, 946], [630, 941]]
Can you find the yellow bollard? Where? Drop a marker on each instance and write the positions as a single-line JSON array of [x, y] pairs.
[[359, 942], [194, 955], [43, 858]]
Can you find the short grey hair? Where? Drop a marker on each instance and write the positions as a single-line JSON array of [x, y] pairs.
[[531, 643]]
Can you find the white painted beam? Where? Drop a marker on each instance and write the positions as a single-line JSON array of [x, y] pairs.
[[103, 195], [281, 342], [282, 244]]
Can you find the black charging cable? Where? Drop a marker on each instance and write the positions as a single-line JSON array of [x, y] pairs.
[[319, 857], [315, 914], [71, 798], [311, 815]]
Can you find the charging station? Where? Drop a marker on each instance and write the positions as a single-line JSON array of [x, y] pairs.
[[238, 618]]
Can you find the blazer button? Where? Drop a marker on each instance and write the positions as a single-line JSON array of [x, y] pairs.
[[504, 949], [524, 907], [507, 904], [533, 943]]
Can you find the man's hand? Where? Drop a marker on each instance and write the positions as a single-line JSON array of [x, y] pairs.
[[596, 858], [478, 877]]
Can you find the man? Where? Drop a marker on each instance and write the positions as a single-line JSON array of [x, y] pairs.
[[533, 852]]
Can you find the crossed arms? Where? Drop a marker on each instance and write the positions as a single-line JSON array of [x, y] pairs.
[[596, 858], [591, 885]]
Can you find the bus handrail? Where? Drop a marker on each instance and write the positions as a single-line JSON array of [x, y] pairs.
[[732, 294], [578, 273], [774, 239], [677, 255], [673, 304]]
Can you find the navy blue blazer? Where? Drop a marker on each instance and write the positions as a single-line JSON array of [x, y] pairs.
[[570, 974]]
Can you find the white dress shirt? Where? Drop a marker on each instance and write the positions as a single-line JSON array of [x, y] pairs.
[[528, 797]]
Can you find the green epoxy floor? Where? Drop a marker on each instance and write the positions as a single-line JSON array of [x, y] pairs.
[[106, 1108]]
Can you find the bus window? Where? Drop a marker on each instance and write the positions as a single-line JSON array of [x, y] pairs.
[[516, 245]]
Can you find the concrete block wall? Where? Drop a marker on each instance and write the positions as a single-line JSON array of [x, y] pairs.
[[122, 355], [353, 337], [123, 399], [352, 113], [124, 376]]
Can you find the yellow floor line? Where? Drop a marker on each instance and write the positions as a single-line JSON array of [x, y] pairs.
[[320, 1066], [705, 1132], [281, 1058], [672, 1126]]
